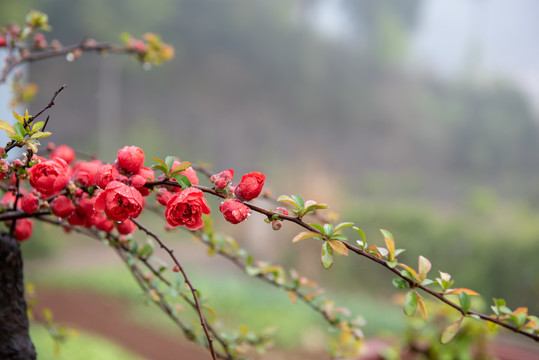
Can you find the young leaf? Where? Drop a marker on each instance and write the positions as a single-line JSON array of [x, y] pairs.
[[328, 229], [464, 302], [342, 226], [298, 199], [410, 270], [327, 255], [19, 118], [162, 165], [339, 247], [305, 235], [40, 135], [410, 303], [390, 243], [38, 126], [7, 127], [19, 129], [424, 267], [288, 199], [449, 333], [361, 234], [169, 160], [311, 205], [399, 283], [180, 167], [462, 290], [319, 228]]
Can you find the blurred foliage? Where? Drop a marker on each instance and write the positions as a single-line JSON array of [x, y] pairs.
[[81, 346], [491, 251], [420, 340]]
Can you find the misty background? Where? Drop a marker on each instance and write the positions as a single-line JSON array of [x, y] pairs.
[[420, 117]]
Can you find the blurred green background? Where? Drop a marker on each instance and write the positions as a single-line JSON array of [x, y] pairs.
[[419, 117]]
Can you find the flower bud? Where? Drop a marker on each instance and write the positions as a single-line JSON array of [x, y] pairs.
[[250, 186], [234, 211]]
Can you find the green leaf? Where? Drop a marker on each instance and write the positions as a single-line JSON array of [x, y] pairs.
[[160, 168], [169, 160], [299, 201], [464, 302], [146, 251], [328, 229], [399, 283], [399, 251], [38, 126], [327, 255], [16, 137], [162, 165], [40, 135], [287, 199], [7, 127], [183, 181], [449, 333], [361, 234], [343, 225], [319, 228], [19, 118], [339, 237], [305, 235], [19, 129], [311, 205], [410, 303]]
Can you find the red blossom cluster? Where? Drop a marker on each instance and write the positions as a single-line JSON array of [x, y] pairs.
[[250, 186], [106, 196]]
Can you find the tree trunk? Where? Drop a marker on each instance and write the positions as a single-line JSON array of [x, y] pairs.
[[15, 342]]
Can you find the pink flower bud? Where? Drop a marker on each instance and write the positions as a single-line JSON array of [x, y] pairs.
[[29, 203], [126, 227], [23, 229], [64, 152], [130, 158]]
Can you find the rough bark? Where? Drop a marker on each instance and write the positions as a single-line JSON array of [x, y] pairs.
[[15, 342]]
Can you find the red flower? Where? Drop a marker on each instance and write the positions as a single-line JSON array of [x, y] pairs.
[[62, 206], [64, 152], [23, 229], [126, 227], [186, 208], [29, 203], [86, 172], [234, 211], [105, 174], [130, 158], [49, 177], [250, 186], [119, 201]]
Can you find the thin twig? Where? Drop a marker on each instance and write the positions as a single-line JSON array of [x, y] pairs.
[[187, 281]]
